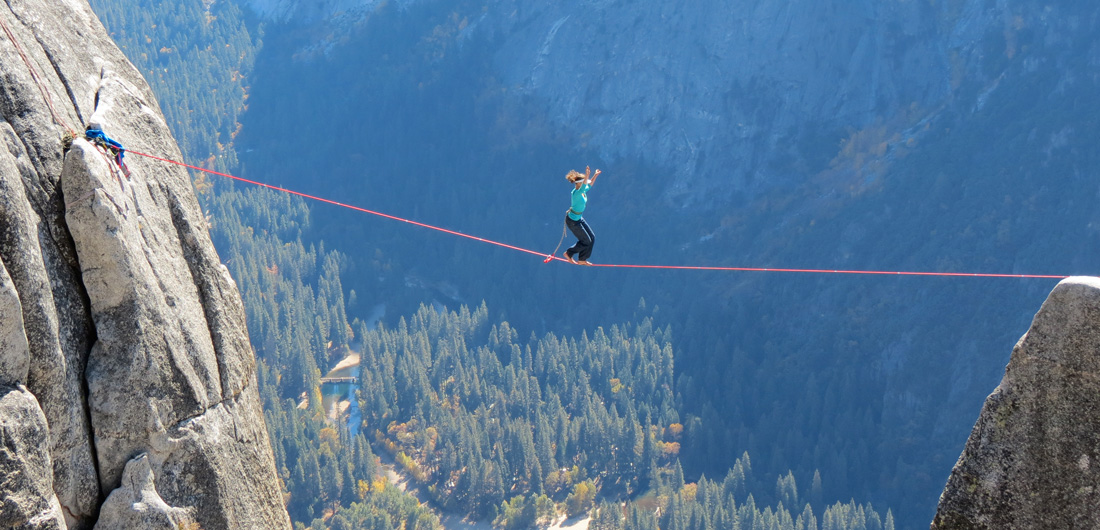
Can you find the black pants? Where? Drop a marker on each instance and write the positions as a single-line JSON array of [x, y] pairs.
[[585, 239]]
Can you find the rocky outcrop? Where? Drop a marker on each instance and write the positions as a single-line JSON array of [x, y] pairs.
[[121, 334], [136, 503], [1033, 458]]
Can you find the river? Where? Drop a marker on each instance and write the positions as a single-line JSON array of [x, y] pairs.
[[338, 399]]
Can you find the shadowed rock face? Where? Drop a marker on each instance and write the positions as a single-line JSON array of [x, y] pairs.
[[122, 337], [1033, 458]]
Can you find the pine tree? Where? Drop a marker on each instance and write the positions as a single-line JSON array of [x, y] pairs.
[[815, 489]]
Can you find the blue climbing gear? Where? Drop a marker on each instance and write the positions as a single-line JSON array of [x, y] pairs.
[[99, 138]]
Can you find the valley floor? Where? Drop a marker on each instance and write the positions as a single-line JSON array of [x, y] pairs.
[[457, 522]]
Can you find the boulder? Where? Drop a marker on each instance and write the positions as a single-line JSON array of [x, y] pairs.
[[136, 504], [1033, 457]]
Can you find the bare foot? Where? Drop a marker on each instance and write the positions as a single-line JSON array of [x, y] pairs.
[[570, 258], [584, 263]]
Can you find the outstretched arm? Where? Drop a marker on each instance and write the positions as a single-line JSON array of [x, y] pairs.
[[587, 172]]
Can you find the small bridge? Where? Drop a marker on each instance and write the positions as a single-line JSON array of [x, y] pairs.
[[338, 380]]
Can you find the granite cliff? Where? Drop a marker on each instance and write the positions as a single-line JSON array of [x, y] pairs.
[[127, 382], [1029, 460]]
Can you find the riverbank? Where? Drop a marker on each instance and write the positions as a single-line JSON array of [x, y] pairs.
[[347, 367]]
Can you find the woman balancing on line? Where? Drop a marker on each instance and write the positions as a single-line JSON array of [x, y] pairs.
[[585, 238]]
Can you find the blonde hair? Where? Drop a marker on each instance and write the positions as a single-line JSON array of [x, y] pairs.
[[573, 175]]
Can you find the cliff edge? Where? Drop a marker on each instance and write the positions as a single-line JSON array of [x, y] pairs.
[[1029, 462], [127, 383]]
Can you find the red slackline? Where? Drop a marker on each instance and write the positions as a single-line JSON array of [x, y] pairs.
[[618, 266]]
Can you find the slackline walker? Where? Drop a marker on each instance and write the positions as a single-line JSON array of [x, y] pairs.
[[574, 220], [604, 265]]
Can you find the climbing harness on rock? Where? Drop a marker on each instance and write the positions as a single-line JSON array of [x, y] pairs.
[[101, 140], [113, 154]]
